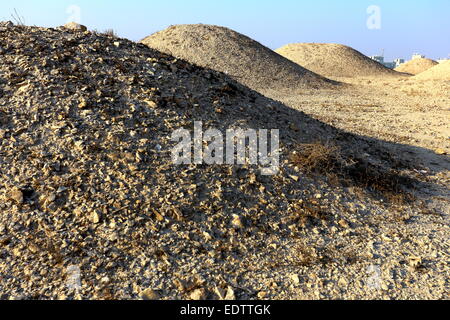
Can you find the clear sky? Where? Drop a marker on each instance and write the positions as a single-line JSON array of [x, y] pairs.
[[405, 26]]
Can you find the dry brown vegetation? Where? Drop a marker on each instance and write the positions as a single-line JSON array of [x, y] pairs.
[[325, 158]]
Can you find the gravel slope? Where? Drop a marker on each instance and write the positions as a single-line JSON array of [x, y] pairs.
[[438, 72], [416, 66], [334, 60], [232, 53], [91, 206]]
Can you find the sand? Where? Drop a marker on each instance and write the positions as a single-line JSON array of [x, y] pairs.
[[236, 55], [334, 60], [438, 72], [416, 66]]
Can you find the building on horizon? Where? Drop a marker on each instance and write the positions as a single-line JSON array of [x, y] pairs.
[[398, 62], [390, 65], [417, 56]]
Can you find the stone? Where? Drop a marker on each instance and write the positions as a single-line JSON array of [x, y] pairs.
[[16, 195], [262, 295], [414, 262], [295, 279], [75, 27], [198, 295], [151, 104], [6, 24], [237, 222], [150, 294], [344, 224], [95, 216], [225, 294]]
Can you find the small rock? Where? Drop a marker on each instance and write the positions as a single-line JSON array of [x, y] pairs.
[[150, 294], [198, 295], [344, 224], [17, 195], [75, 27], [151, 104], [225, 294], [440, 151], [415, 262], [295, 279], [82, 104], [95, 216], [61, 189], [6, 24], [262, 295], [237, 222]]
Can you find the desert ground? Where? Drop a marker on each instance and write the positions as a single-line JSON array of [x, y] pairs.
[[92, 207]]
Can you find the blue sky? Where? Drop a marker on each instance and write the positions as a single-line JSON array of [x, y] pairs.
[[406, 26]]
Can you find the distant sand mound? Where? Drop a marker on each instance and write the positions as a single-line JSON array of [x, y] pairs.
[[416, 66], [334, 60], [440, 71], [230, 52]]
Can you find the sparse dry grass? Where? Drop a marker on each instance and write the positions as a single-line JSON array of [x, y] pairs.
[[325, 158]]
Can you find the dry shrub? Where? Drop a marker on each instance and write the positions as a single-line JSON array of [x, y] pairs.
[[110, 32], [316, 157], [325, 158]]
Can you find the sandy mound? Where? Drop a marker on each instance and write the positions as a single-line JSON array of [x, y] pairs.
[[230, 52], [91, 205], [440, 71], [334, 60], [416, 66]]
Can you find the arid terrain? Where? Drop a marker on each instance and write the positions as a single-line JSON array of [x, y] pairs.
[[91, 206]]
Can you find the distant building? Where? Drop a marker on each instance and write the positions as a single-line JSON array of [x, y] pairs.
[[380, 59], [399, 62], [417, 56]]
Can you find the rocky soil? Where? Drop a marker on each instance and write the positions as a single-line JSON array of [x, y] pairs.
[[91, 206], [244, 59], [416, 66], [335, 60]]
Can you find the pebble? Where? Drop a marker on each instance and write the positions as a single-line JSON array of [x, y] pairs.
[[95, 216], [17, 195], [198, 295], [150, 294], [75, 27]]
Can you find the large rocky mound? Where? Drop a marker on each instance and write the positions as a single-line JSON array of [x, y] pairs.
[[416, 66], [440, 71], [232, 53], [91, 205], [334, 60]]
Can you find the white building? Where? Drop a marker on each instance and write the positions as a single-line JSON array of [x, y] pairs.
[[417, 56], [379, 59], [399, 62]]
